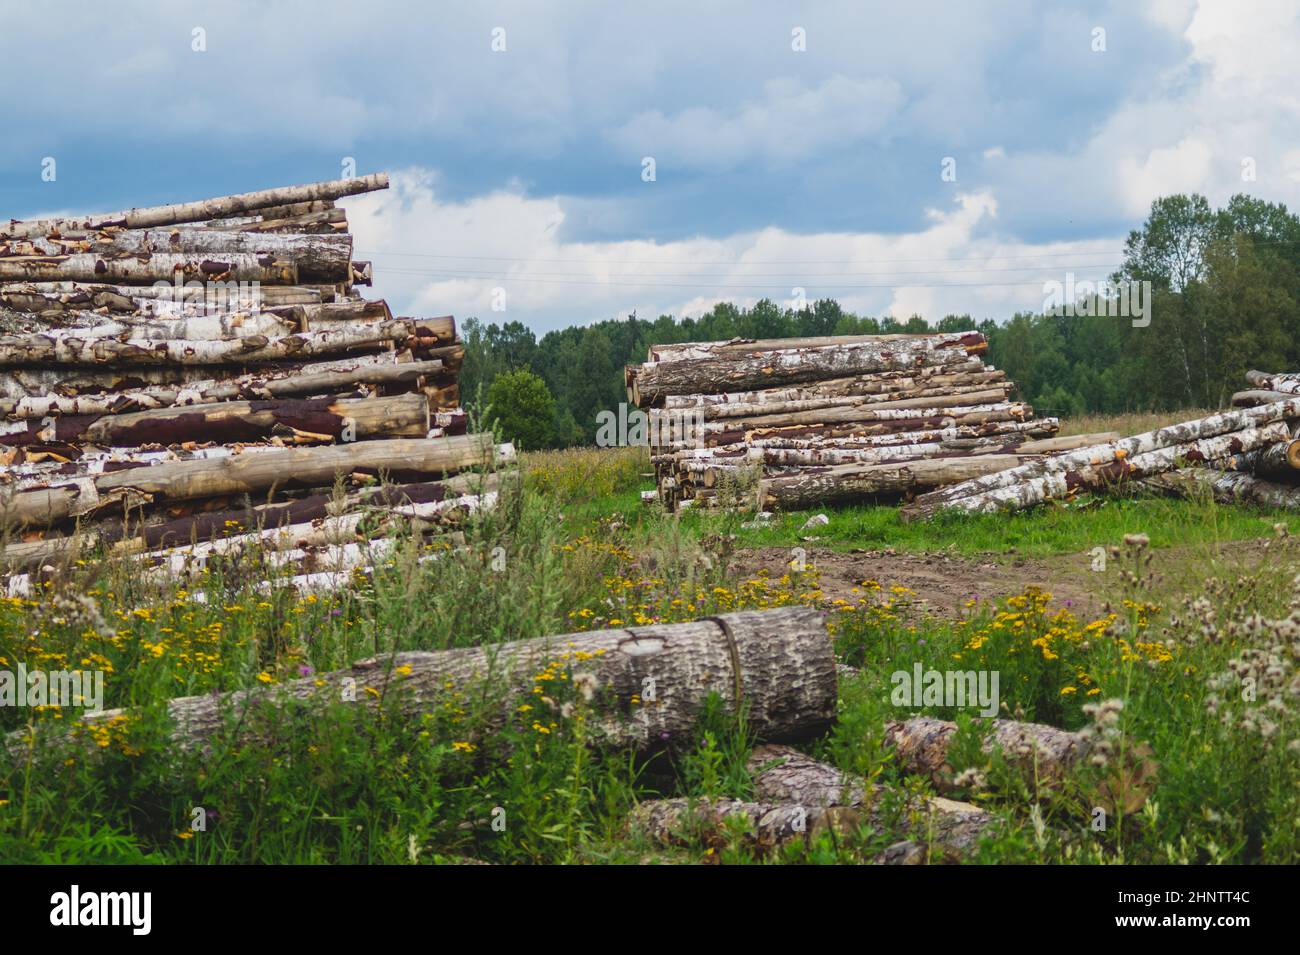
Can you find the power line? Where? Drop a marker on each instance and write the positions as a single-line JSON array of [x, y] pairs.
[[737, 263], [795, 275]]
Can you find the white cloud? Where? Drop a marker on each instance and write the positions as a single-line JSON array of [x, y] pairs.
[[434, 257]]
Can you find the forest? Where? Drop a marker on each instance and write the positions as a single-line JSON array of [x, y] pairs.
[[1225, 297]]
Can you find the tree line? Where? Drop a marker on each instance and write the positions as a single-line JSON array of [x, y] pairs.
[[1224, 298]]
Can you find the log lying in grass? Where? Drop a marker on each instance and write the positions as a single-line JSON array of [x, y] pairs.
[[251, 474], [1056, 476], [921, 747], [219, 208], [811, 487], [778, 664], [324, 378], [797, 798], [296, 420], [1225, 487], [1276, 462], [655, 381]]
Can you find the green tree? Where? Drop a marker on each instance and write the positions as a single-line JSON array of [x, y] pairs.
[[521, 406]]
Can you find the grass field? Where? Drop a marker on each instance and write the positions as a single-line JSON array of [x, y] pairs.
[[1203, 771]]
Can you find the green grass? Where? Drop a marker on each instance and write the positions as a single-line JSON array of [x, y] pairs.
[[342, 785]]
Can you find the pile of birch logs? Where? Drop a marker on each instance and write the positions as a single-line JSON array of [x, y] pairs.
[[1246, 454], [792, 423], [204, 372]]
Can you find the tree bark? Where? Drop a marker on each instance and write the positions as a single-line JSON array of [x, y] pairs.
[[737, 347], [921, 747], [295, 420], [1286, 383], [138, 299], [654, 381], [219, 208], [1276, 462], [777, 663], [401, 459], [1058, 465], [272, 383], [946, 406], [147, 269], [970, 372], [318, 258], [1225, 487], [58, 348], [1104, 472], [911, 398], [798, 798], [194, 328]]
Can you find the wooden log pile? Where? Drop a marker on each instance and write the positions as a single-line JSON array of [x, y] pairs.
[[1247, 454], [794, 423], [173, 373]]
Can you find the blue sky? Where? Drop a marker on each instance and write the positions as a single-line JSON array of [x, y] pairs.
[[518, 172]]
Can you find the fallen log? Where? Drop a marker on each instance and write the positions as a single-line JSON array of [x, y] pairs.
[[654, 381], [44, 296], [921, 745], [1286, 383], [1177, 434], [267, 384], [401, 459], [219, 208], [1104, 474], [913, 398], [736, 347], [1276, 462], [778, 664], [797, 798], [197, 327], [1225, 487]]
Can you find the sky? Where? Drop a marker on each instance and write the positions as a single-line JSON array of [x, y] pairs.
[[562, 163]]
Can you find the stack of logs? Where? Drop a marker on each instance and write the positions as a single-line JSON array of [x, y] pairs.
[[205, 374], [793, 423], [1245, 455]]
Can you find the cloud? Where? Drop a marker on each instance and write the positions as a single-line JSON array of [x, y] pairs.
[[436, 256]]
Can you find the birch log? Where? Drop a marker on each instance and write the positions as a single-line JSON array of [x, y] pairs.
[[735, 347], [1061, 483], [295, 420], [798, 798], [921, 746], [1286, 383], [964, 374], [317, 258], [655, 381], [1177, 434], [272, 383], [60, 348], [778, 664], [400, 459], [195, 328], [1225, 487], [220, 208], [144, 269]]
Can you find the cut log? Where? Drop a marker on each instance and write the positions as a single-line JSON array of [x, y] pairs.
[[317, 258], [1105, 474], [1102, 454], [17, 384], [777, 663], [1225, 487], [60, 348], [813, 487], [1286, 383], [655, 381], [921, 745], [911, 398], [271, 384], [400, 459], [146, 269], [220, 208], [295, 420], [195, 328], [737, 347], [972, 373], [798, 798], [1276, 462]]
